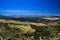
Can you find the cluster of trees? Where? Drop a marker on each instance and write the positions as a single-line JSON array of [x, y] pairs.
[[46, 31]]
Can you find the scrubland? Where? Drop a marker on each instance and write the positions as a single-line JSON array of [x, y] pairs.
[[32, 29]]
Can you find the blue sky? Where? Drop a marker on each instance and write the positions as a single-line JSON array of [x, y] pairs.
[[30, 7]]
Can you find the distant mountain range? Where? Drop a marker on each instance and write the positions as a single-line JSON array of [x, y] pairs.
[[18, 16]]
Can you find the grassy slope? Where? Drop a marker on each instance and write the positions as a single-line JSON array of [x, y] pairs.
[[25, 26]]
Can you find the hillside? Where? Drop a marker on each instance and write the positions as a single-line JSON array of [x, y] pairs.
[[29, 28]]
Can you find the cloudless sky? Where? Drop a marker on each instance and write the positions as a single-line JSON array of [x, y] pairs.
[[32, 7]]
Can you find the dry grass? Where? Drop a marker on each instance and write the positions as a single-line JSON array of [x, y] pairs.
[[25, 28], [19, 22], [52, 18]]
